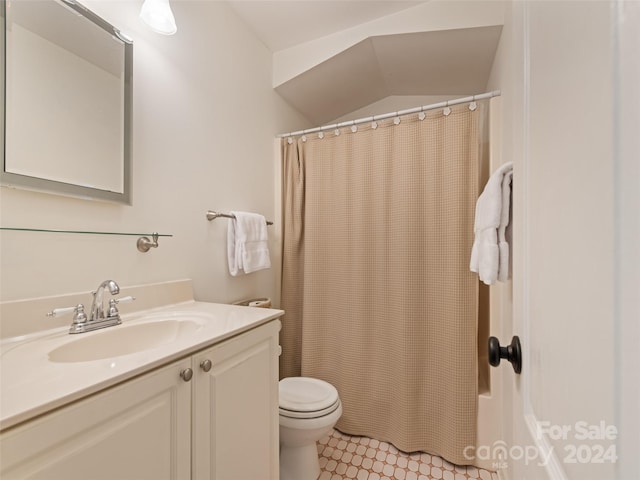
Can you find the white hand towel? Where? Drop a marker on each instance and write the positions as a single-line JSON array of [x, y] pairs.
[[247, 243], [490, 252]]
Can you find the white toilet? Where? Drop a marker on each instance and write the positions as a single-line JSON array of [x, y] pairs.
[[309, 408]]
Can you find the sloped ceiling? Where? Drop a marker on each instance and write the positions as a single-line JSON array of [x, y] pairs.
[[444, 62], [283, 24]]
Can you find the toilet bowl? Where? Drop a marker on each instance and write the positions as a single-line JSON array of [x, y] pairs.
[[309, 408]]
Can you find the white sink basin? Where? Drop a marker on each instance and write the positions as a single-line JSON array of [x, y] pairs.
[[124, 340]]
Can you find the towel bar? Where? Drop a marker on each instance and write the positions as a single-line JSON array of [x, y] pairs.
[[211, 215]]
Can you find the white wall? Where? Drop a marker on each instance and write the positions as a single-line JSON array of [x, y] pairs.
[[204, 119], [505, 76]]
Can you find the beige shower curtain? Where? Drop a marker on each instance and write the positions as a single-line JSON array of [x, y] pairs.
[[379, 299]]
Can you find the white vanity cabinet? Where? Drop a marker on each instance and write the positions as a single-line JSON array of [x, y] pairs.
[[140, 429], [235, 417], [219, 424]]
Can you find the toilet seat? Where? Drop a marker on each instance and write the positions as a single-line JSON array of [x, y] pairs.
[[304, 397]]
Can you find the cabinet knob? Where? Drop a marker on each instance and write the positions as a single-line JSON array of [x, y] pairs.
[[186, 374], [205, 365]]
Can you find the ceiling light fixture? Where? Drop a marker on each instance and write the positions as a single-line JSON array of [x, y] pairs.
[[158, 16]]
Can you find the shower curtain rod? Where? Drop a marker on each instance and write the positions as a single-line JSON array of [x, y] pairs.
[[448, 103]]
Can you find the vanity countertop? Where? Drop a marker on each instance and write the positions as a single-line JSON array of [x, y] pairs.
[[32, 384]]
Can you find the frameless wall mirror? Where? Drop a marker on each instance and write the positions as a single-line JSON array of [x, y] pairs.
[[68, 90]]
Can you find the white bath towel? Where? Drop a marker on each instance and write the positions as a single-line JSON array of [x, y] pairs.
[[490, 252], [247, 243]]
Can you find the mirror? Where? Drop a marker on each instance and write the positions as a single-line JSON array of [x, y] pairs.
[[67, 89]]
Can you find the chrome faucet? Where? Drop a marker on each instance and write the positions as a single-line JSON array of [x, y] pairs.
[[98, 319], [97, 308]]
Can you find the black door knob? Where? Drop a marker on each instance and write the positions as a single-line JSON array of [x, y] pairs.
[[512, 352]]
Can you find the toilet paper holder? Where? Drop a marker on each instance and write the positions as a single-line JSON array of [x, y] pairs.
[[261, 302]]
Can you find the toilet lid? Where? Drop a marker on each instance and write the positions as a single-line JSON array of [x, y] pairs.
[[304, 394], [315, 414]]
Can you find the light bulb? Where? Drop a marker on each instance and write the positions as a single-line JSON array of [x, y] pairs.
[[158, 16]]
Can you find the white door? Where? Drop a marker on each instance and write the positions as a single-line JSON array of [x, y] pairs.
[[565, 240]]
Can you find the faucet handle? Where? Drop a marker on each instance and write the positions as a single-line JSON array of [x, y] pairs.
[[113, 310], [79, 317], [126, 299], [62, 310]]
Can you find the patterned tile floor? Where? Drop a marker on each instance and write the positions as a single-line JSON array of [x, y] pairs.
[[343, 457]]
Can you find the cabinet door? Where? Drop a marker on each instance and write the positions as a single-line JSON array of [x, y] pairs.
[[138, 430], [236, 408]]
